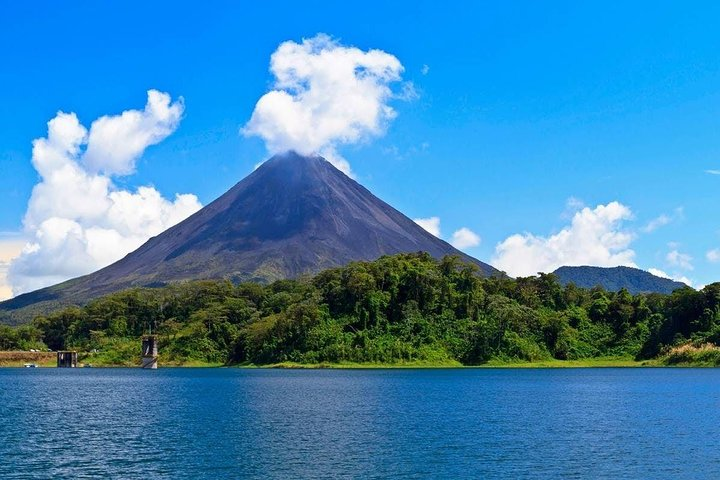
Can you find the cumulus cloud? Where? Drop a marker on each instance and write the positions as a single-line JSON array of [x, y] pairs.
[[713, 256], [679, 260], [594, 237], [116, 142], [10, 248], [431, 224], [77, 219], [5, 289], [465, 238], [461, 238], [325, 95]]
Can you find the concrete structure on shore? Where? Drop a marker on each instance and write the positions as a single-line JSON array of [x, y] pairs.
[[149, 351], [67, 359]]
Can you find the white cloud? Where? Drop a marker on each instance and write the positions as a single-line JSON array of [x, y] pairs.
[[5, 288], [713, 256], [116, 142], [679, 260], [325, 95], [77, 220], [465, 238], [678, 278], [462, 238], [10, 248], [425, 70], [659, 273], [684, 280], [431, 224], [656, 223], [572, 206], [412, 151], [713, 172], [594, 237], [662, 220], [407, 92]]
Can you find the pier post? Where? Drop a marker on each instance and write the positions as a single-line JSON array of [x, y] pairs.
[[149, 352], [67, 359]]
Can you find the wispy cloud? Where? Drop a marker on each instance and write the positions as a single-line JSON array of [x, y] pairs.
[[679, 259], [663, 220], [572, 206], [656, 223], [713, 256], [395, 152], [713, 172]]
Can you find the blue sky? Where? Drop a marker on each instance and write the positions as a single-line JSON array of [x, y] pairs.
[[524, 113]]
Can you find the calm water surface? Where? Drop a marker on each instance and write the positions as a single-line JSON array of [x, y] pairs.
[[232, 423]]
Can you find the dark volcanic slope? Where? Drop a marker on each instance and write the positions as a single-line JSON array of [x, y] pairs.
[[293, 215], [616, 278]]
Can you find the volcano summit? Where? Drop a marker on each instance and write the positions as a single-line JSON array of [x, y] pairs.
[[294, 215]]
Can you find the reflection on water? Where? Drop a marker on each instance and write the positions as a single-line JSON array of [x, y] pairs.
[[232, 423]]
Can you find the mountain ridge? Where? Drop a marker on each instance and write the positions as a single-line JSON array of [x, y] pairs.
[[613, 279]]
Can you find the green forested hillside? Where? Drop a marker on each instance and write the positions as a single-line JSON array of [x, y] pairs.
[[399, 309]]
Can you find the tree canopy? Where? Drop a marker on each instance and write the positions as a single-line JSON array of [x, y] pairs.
[[399, 308]]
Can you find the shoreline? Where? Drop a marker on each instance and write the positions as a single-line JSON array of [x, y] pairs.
[[47, 360], [546, 364]]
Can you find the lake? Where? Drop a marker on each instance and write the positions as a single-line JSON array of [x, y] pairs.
[[454, 423]]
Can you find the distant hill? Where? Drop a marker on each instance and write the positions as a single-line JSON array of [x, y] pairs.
[[616, 278], [294, 215]]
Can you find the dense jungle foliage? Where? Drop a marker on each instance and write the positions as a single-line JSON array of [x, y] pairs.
[[398, 309]]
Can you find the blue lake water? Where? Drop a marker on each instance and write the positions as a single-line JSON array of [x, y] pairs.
[[484, 423]]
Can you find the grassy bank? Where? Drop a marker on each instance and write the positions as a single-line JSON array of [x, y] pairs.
[[691, 355], [685, 356], [600, 362], [125, 358], [584, 363], [353, 365], [19, 358]]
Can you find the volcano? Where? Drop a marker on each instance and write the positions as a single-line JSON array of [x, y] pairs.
[[293, 215]]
